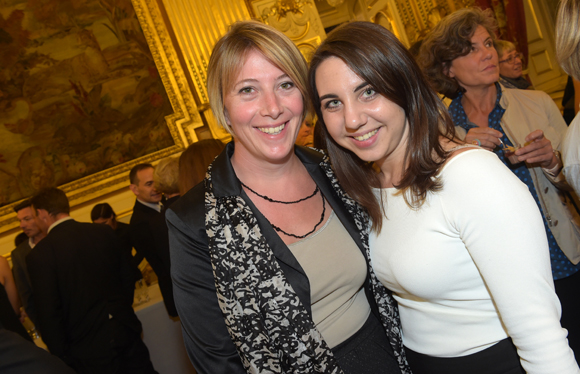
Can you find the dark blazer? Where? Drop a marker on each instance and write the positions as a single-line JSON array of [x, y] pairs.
[[207, 340], [148, 232], [8, 319], [18, 356], [124, 235], [83, 290], [22, 279]]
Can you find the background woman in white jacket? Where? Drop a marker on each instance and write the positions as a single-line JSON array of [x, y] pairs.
[[460, 61]]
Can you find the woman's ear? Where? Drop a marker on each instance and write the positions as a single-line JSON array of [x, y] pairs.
[[227, 117], [448, 70]]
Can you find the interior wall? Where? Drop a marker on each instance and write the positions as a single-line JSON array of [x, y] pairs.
[[539, 15]]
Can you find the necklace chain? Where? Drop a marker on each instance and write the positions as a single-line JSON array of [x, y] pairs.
[[308, 233], [282, 202], [293, 202]]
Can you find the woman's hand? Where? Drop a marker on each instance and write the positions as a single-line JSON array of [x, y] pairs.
[[485, 137], [538, 150]]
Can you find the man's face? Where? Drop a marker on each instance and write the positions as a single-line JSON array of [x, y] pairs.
[[43, 219], [144, 190], [28, 222]]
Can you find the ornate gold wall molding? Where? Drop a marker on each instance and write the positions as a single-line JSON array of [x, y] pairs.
[[408, 20], [197, 26], [298, 19]]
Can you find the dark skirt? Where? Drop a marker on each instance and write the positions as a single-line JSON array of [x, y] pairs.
[[367, 352], [500, 358]]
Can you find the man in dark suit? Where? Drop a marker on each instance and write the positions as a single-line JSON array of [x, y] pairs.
[[30, 227], [148, 230], [18, 356], [83, 292]]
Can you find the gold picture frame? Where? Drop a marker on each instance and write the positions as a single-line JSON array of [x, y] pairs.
[[181, 123]]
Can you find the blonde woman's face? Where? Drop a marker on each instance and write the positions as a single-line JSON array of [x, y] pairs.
[[264, 109]]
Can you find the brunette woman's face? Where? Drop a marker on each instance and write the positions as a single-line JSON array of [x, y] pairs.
[[480, 67], [264, 108], [357, 117]]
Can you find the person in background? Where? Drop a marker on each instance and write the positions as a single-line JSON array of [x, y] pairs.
[[306, 134], [510, 65], [524, 128], [268, 255], [20, 238], [166, 179], [19, 356], [568, 52], [148, 230], [83, 292], [194, 161], [9, 301], [104, 214], [456, 236], [31, 227]]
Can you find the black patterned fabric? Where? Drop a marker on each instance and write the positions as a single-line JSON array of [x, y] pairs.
[[270, 327]]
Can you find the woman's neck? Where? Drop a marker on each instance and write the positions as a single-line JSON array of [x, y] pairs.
[[392, 167], [263, 175], [479, 101]]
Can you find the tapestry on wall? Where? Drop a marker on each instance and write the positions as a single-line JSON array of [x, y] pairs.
[[79, 92]]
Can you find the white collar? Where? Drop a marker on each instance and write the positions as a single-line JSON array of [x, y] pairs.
[[67, 218], [156, 206]]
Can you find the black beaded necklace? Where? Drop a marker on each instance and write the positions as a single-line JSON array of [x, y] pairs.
[[293, 202]]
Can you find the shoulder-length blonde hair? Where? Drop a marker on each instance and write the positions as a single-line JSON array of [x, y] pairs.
[[378, 58], [451, 38], [228, 57], [568, 37]]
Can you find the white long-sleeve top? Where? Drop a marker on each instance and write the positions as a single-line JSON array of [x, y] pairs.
[[471, 267]]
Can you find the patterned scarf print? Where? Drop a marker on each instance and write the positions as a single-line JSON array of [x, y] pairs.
[[268, 324]]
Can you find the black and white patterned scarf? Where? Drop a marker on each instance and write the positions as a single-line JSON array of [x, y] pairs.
[[269, 326]]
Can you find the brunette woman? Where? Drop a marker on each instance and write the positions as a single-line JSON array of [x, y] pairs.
[[456, 236]]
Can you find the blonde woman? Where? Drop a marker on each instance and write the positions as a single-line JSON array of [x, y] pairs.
[[268, 255]]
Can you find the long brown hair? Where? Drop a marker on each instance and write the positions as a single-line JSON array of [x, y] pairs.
[[377, 57], [194, 161]]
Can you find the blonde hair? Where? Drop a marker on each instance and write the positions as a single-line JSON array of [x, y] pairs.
[[503, 46], [568, 37], [166, 176], [229, 53]]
